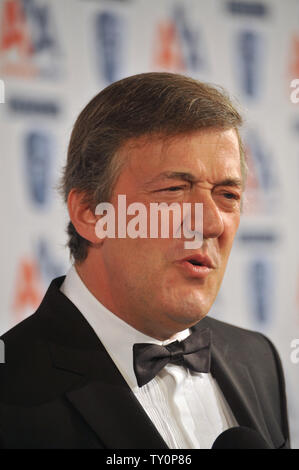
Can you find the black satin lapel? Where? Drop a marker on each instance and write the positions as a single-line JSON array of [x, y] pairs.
[[116, 416], [238, 388], [104, 399]]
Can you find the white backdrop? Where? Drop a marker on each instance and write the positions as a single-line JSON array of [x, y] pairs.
[[55, 55]]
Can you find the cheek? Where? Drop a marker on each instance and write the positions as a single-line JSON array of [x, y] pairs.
[[117, 258], [132, 257]]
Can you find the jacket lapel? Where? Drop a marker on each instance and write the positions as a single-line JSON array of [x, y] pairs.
[[235, 381], [105, 401], [90, 380]]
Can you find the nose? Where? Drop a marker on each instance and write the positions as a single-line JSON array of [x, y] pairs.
[[212, 220], [213, 224]]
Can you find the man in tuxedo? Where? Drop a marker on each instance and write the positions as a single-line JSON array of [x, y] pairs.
[[120, 353]]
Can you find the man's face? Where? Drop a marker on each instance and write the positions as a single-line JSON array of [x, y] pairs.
[[152, 285]]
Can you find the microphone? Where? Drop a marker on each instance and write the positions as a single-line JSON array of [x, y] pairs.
[[240, 437]]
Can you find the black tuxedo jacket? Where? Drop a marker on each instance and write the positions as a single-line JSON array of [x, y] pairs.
[[60, 389]]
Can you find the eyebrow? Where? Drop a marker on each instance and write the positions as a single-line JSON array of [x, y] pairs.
[[236, 182], [172, 175], [233, 182]]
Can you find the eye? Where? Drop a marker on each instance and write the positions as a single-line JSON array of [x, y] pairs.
[[231, 196], [172, 189]]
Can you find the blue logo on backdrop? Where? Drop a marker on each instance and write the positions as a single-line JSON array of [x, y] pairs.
[[190, 41], [257, 238], [49, 266], [250, 65], [263, 186], [178, 44], [263, 161], [260, 277], [247, 8], [109, 36], [29, 45], [38, 166], [28, 106], [42, 28]]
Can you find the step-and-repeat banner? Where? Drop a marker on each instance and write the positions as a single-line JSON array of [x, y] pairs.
[[55, 55]]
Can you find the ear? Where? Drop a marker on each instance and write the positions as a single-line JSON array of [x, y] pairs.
[[82, 217]]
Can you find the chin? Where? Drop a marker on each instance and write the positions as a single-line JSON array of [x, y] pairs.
[[188, 315], [186, 306]]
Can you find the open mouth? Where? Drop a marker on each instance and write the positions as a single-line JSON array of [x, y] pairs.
[[199, 260], [198, 265], [195, 262]]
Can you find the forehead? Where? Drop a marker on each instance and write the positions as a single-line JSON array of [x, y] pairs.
[[207, 153]]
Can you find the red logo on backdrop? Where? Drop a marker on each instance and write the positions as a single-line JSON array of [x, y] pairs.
[[15, 45], [28, 40], [294, 64], [28, 291], [33, 274], [168, 54], [178, 43]]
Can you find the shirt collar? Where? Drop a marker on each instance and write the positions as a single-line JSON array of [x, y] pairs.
[[117, 336]]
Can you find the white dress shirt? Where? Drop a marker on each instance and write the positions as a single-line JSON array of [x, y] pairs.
[[187, 408]]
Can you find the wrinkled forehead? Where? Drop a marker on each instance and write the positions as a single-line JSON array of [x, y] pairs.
[[153, 152]]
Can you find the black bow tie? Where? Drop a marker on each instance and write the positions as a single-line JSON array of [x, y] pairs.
[[193, 353]]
